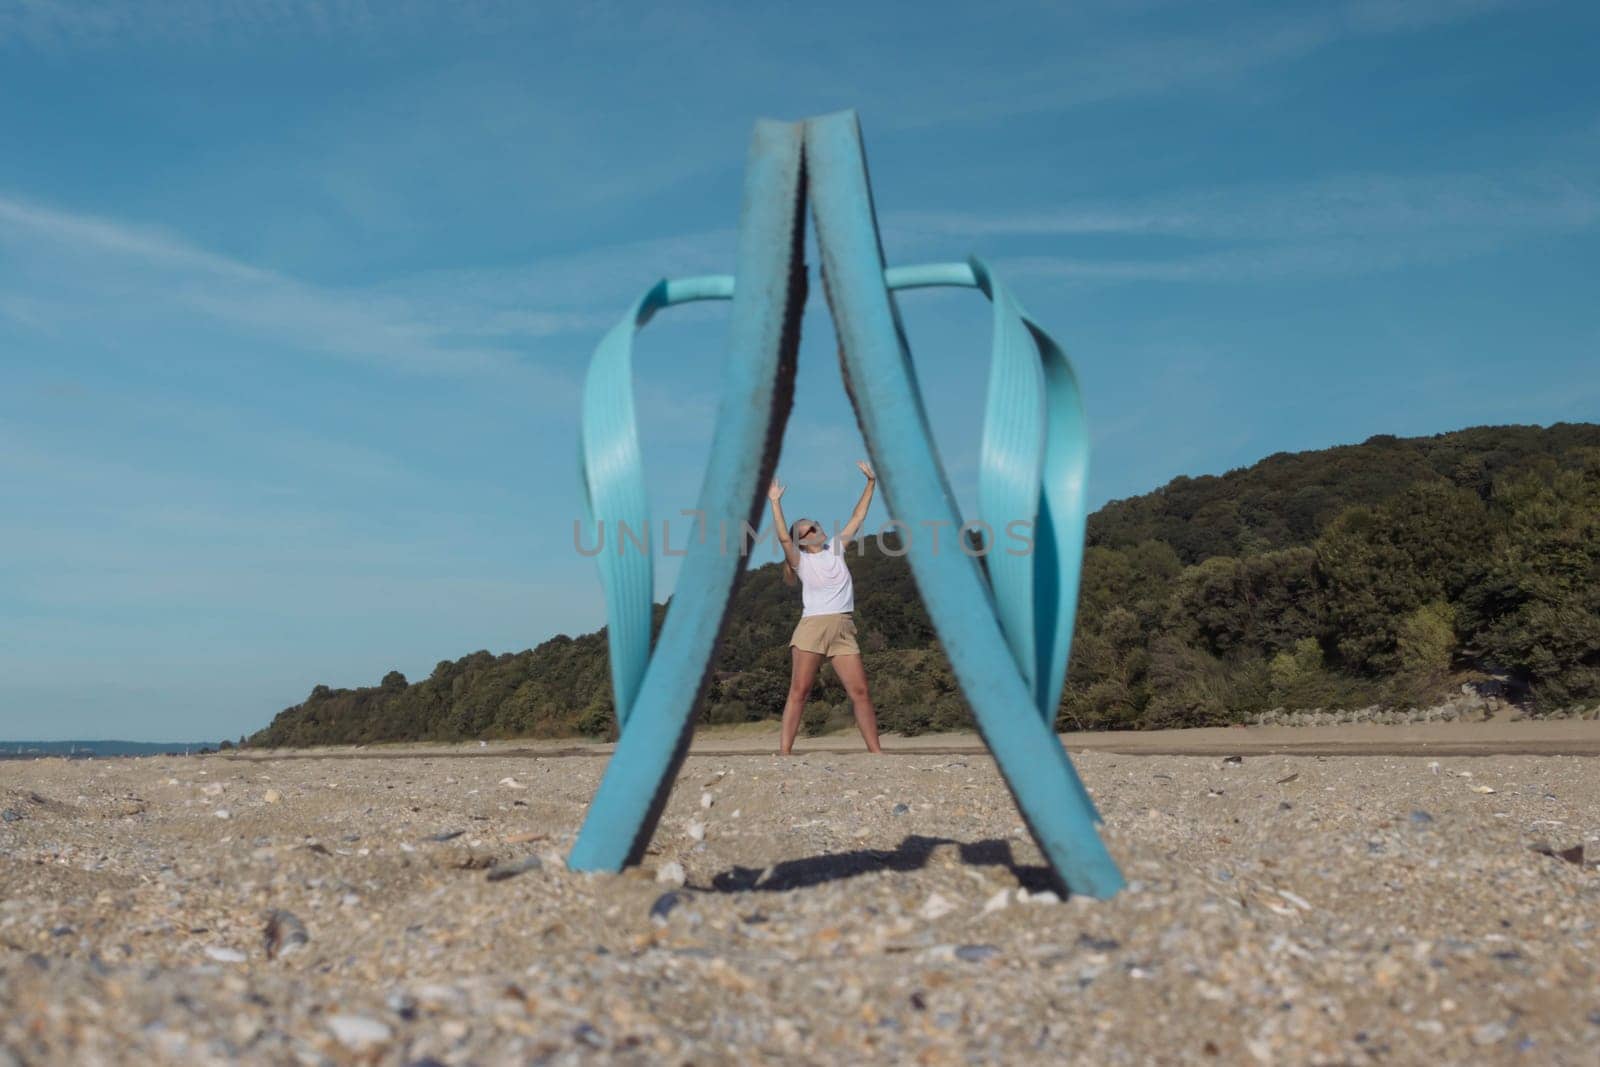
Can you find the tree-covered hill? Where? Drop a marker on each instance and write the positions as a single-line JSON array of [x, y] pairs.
[[1374, 573], [1289, 498]]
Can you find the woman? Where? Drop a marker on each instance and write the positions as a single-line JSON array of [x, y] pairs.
[[827, 629]]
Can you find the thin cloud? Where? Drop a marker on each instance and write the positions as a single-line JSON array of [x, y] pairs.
[[561, 305], [130, 269], [1150, 66], [1339, 206], [1066, 56], [101, 235], [1254, 263], [1346, 224], [595, 285], [52, 24]]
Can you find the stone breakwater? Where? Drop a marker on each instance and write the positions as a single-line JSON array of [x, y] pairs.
[[1469, 706]]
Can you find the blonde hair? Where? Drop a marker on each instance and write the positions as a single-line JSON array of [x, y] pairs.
[[790, 578]]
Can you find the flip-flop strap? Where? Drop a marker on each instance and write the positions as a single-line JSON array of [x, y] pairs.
[[615, 500], [656, 690], [1034, 458], [1033, 470], [881, 379]]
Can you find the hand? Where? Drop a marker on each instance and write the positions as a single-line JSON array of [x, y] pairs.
[[774, 491], [866, 468]]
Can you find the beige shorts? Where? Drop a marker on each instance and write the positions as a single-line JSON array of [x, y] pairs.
[[831, 635]]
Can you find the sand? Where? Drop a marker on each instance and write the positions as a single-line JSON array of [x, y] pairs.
[[382, 906], [1497, 737]]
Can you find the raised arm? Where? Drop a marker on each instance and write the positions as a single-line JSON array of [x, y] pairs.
[[790, 553], [859, 515]]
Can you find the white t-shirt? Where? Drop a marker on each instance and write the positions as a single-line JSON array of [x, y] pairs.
[[826, 588]]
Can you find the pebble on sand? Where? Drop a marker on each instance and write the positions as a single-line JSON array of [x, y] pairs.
[[284, 934], [831, 960], [358, 1032], [663, 906], [501, 871]]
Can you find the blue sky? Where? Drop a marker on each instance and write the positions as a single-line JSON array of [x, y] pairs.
[[296, 298]]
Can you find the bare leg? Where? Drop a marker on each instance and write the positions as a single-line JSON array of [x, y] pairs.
[[804, 673], [854, 677]]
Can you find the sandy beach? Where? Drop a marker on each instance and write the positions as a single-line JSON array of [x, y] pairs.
[[1333, 895], [1497, 737]]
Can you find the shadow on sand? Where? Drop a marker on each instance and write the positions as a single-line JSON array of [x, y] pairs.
[[912, 855]]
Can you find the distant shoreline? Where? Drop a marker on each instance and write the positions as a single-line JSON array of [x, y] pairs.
[[1565, 737], [1529, 737], [15, 750]]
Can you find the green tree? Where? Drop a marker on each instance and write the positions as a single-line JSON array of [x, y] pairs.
[[1426, 644], [1391, 569], [1535, 609], [1296, 675]]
